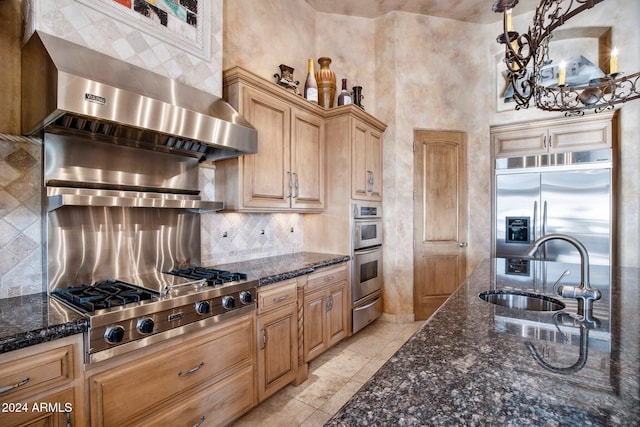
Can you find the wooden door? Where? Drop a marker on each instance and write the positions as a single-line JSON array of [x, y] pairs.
[[315, 324], [307, 161], [440, 218], [338, 314], [278, 355], [266, 173]]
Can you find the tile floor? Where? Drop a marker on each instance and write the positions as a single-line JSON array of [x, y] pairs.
[[334, 377]]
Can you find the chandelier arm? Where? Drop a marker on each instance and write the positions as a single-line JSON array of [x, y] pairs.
[[533, 47]]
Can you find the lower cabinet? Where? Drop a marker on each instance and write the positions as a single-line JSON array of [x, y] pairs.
[[39, 384], [277, 337], [209, 377], [326, 311]]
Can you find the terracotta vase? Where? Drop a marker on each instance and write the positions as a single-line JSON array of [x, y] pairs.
[[326, 80]]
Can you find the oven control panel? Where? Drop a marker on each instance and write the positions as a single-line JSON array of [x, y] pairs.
[[121, 328]]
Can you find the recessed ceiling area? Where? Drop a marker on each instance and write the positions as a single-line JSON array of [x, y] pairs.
[[478, 11]]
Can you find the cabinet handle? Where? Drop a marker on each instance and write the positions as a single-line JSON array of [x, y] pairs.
[[544, 141], [263, 343], [296, 185], [330, 278], [329, 303], [280, 299], [68, 415], [191, 371], [199, 423], [290, 186], [550, 141], [371, 181], [11, 387]]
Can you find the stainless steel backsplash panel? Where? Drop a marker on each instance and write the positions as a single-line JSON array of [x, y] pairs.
[[86, 244]]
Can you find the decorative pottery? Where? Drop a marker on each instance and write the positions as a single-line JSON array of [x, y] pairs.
[[357, 96], [326, 80]]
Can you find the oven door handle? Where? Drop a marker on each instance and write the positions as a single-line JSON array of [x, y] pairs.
[[367, 251], [371, 304]]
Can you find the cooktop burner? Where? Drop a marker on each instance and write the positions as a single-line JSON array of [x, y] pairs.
[[104, 294], [212, 276]]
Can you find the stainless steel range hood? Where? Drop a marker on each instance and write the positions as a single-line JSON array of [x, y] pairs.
[[70, 89]]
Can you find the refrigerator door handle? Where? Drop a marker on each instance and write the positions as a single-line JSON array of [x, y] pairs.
[[544, 228], [535, 220]]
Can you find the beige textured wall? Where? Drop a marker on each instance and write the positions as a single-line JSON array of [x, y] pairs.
[[261, 35], [433, 87]]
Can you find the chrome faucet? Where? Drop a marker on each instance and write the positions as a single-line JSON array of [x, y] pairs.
[[584, 293]]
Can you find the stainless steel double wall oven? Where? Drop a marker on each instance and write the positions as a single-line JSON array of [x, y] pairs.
[[366, 284]]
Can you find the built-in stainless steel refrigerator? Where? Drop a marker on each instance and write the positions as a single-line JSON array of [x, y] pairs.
[[567, 193]]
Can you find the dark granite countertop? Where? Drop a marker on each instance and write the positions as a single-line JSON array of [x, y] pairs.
[[277, 268], [34, 319], [470, 364]]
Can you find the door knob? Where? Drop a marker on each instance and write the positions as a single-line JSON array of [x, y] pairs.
[[463, 244]]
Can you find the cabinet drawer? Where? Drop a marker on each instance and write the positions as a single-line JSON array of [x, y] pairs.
[[326, 277], [277, 295], [123, 392], [216, 405], [36, 373]]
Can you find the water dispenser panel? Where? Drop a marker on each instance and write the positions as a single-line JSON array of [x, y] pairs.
[[518, 230]]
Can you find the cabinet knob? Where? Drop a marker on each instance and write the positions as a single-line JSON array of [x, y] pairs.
[[463, 244]]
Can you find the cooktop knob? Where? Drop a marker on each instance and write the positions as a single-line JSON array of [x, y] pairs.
[[228, 302], [114, 334], [203, 307], [245, 297], [145, 325]]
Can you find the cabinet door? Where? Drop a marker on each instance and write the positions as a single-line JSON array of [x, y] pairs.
[[374, 165], [366, 163], [520, 142], [315, 323], [267, 174], [337, 316], [359, 173], [278, 350], [588, 135], [307, 161]]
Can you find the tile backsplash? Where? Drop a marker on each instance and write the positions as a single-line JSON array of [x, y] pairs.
[[21, 244], [231, 237]]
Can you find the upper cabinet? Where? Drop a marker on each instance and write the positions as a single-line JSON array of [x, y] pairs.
[[366, 161], [287, 173], [354, 146], [554, 136]]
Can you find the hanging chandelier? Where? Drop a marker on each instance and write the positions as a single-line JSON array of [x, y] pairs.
[[528, 64]]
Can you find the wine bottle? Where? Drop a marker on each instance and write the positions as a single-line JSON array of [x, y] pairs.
[[344, 98], [311, 86]]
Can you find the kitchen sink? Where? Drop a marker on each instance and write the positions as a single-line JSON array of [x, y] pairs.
[[521, 300]]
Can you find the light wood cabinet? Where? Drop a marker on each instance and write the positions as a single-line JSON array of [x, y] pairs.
[[287, 172], [210, 375], [554, 136], [41, 385], [277, 337], [366, 161], [326, 310]]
